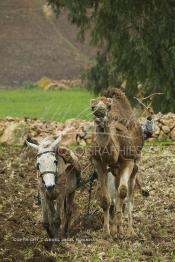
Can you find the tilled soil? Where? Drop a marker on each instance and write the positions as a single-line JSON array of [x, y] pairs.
[[22, 237]]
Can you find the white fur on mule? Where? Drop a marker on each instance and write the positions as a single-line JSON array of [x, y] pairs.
[[47, 162]]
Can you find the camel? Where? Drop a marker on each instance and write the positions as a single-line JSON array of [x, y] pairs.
[[58, 177], [118, 144]]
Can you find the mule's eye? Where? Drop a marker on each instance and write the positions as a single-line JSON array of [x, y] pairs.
[[37, 166], [56, 162]]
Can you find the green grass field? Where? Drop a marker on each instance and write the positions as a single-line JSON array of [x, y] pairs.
[[49, 105]]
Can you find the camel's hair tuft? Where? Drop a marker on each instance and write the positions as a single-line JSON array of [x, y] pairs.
[[121, 112]]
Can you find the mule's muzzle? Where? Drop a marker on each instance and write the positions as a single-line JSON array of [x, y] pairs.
[[50, 188]]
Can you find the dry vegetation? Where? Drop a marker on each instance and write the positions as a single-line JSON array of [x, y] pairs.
[[21, 216]]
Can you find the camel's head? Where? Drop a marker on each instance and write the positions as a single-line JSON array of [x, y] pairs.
[[100, 109]]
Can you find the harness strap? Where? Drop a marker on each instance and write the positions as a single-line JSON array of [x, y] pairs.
[[91, 179], [46, 152], [47, 172]]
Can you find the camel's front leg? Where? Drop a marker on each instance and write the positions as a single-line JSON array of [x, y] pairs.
[[131, 186], [125, 171], [105, 200]]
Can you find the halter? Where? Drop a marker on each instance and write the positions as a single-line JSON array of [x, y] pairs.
[[47, 172], [49, 151]]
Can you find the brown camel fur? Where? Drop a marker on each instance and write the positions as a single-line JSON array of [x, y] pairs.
[[118, 145]]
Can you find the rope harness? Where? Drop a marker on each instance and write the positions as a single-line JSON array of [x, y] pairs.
[[91, 179]]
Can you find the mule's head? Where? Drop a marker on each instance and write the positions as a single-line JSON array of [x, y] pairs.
[[100, 108], [47, 161]]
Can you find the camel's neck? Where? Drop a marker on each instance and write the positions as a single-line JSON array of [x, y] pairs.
[[102, 136]]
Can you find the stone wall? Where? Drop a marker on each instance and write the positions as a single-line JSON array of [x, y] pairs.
[[165, 126], [16, 130]]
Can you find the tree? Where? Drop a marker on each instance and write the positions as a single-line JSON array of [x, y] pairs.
[[136, 42]]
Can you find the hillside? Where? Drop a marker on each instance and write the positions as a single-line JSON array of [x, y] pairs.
[[33, 45]]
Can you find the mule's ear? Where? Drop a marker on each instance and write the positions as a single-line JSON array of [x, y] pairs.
[[32, 145], [57, 141]]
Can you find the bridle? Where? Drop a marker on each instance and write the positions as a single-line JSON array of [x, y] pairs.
[[41, 174], [46, 152]]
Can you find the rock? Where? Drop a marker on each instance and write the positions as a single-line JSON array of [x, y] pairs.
[[85, 133], [172, 123], [68, 136], [15, 134], [10, 119], [1, 130], [167, 119], [73, 123], [172, 135], [165, 129], [162, 136], [157, 132], [59, 127]]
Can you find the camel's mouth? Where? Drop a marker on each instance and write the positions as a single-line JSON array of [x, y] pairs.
[[101, 122], [100, 107], [101, 129], [100, 113], [99, 110]]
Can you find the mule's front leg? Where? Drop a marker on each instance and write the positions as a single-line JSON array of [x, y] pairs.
[[68, 212], [60, 214], [122, 191], [45, 214], [105, 200], [53, 223]]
